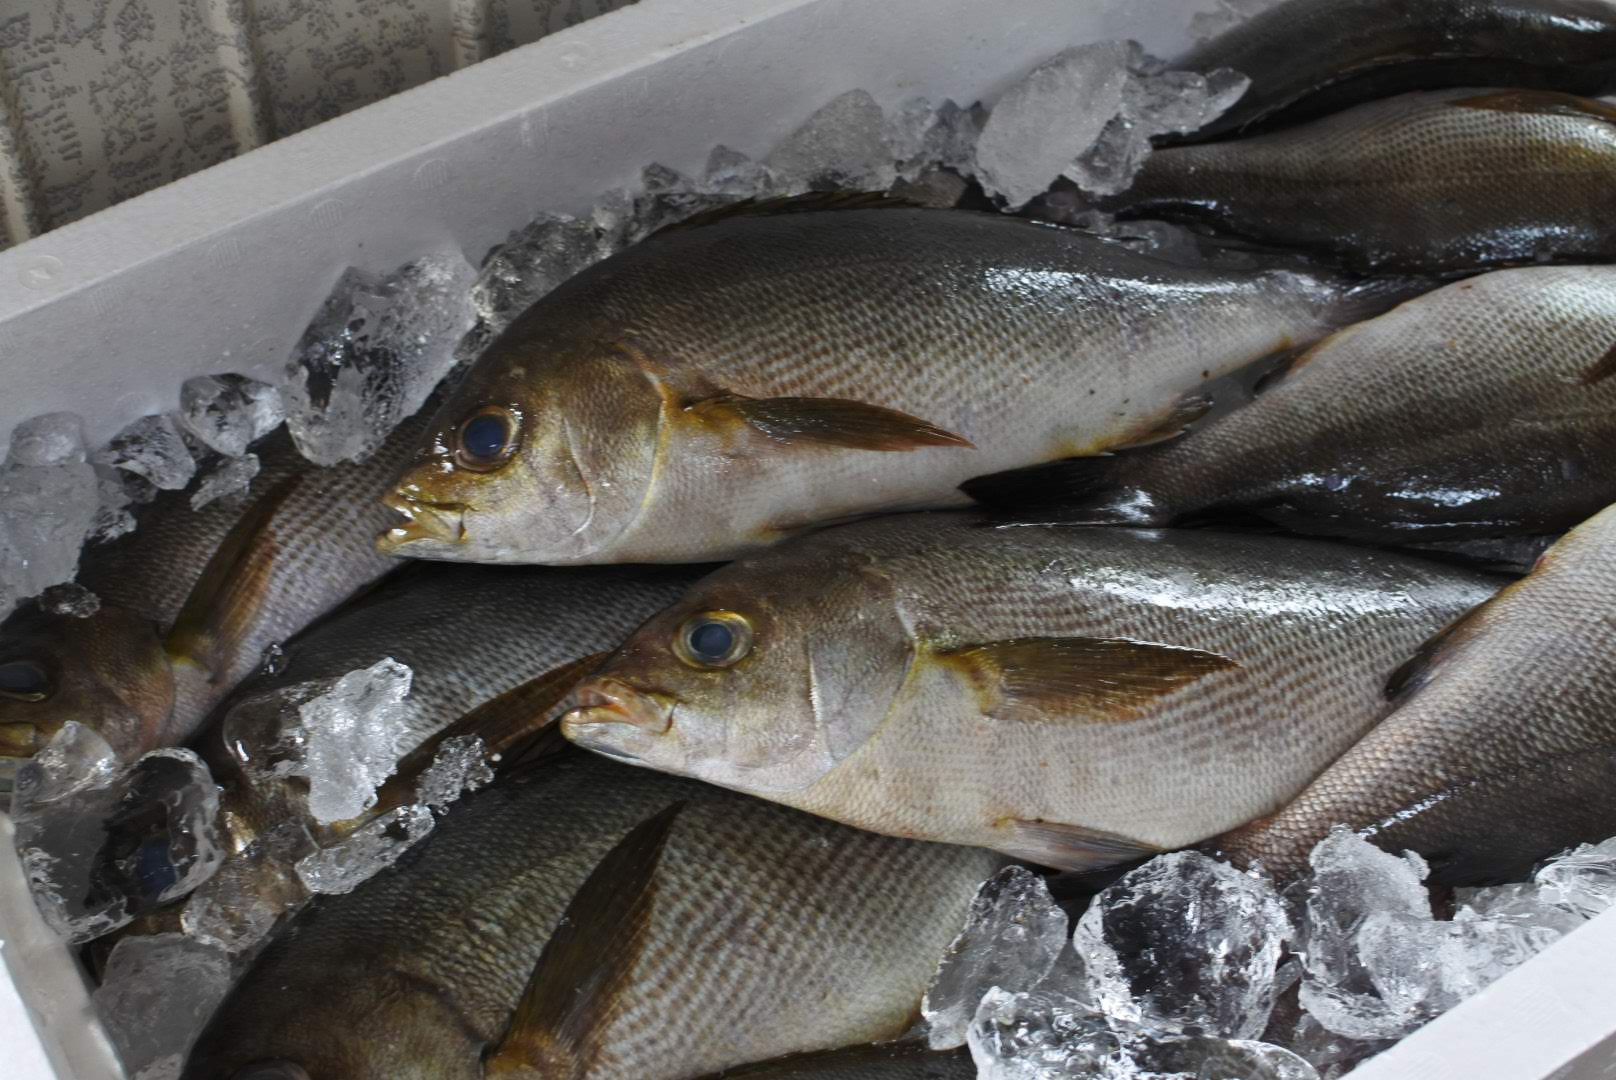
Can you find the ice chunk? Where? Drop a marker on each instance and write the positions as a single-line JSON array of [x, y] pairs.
[[532, 261], [102, 844], [151, 447], [668, 198], [1151, 105], [1227, 14], [1185, 943], [1041, 124], [228, 413], [51, 439], [460, 765], [70, 599], [1039, 1035], [365, 852], [922, 138], [353, 736], [238, 907], [113, 517], [231, 476], [1013, 934], [1332, 1055], [155, 996], [373, 353], [1583, 879], [50, 499], [1524, 904], [730, 172], [1146, 1056], [841, 147]]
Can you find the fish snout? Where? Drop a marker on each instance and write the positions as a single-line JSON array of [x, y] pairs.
[[607, 701], [439, 523]]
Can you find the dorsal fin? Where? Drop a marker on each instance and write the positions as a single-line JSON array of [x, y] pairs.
[[806, 203]]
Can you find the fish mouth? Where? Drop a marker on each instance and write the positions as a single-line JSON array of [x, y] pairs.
[[442, 523], [606, 701], [18, 740]]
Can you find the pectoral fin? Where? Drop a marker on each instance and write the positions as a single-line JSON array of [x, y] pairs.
[[1602, 369], [1417, 670], [852, 425], [1084, 680], [218, 614], [573, 993], [1172, 424], [1071, 847], [1542, 102]]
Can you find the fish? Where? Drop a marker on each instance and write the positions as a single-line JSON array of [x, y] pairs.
[[191, 600], [1306, 58], [1501, 750], [595, 921], [1441, 181], [1073, 696], [883, 1061], [1483, 409], [726, 384]]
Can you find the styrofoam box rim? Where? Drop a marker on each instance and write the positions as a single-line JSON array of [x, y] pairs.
[[221, 270]]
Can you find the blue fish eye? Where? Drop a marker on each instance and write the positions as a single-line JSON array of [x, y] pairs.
[[715, 639], [24, 679], [485, 438]]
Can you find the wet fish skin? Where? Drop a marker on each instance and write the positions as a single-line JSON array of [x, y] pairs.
[[1425, 182], [1501, 751], [884, 1061], [1196, 678], [1307, 58], [418, 970], [1482, 409], [721, 386], [312, 554]]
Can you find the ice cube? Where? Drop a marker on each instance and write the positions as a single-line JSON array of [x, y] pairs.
[[1524, 903], [1042, 123], [70, 599], [366, 851], [460, 765], [532, 261], [228, 413], [372, 354], [1012, 935], [1152, 105], [151, 447], [730, 172], [668, 198], [1583, 879], [922, 138], [231, 476], [841, 147], [1039, 1035], [1145, 1055], [1185, 943], [45, 513], [352, 737], [254, 889], [113, 517], [155, 996], [103, 844], [50, 439], [1331, 1054]]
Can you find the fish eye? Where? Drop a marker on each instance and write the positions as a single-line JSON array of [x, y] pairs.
[[486, 438], [713, 639], [271, 1070], [24, 680]]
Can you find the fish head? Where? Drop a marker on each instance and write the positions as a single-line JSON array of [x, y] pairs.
[[768, 674], [108, 671], [543, 454]]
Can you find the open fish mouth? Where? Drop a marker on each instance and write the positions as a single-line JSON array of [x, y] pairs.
[[601, 702], [442, 523]]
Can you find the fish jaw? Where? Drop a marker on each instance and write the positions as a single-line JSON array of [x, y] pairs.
[[614, 719], [429, 530]]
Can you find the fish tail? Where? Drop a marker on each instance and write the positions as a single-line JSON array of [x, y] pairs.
[[1088, 490]]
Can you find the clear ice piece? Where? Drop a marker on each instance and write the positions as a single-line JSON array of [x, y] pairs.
[[353, 736], [532, 261], [1042, 123], [668, 198], [460, 765], [922, 138], [841, 147], [70, 599], [228, 413], [365, 852], [1147, 1056], [50, 439], [1583, 879], [372, 354], [102, 844], [231, 476], [46, 511], [1012, 935], [730, 172], [113, 517], [254, 889], [152, 448], [1185, 943], [155, 996], [1039, 1035]]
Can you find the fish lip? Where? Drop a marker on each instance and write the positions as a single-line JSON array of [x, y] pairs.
[[443, 523], [607, 701]]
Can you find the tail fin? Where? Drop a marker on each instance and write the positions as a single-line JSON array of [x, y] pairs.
[[1092, 490]]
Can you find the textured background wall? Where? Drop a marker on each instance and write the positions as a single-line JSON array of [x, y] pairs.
[[101, 100]]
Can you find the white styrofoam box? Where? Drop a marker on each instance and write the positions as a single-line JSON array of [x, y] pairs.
[[222, 270]]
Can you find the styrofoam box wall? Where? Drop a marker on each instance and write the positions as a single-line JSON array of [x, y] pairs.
[[221, 271]]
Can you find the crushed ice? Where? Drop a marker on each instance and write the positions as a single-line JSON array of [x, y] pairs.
[[461, 765], [151, 448], [155, 996], [352, 737], [365, 852], [50, 499]]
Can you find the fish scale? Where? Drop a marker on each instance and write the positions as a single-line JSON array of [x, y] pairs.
[[1030, 341], [408, 987], [892, 738]]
